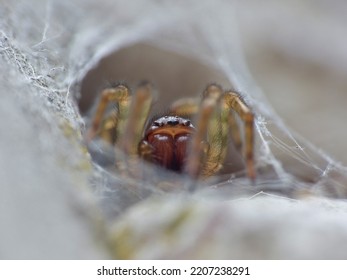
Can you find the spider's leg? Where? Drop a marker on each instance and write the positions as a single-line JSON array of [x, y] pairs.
[[185, 107], [233, 101], [235, 131], [119, 95], [108, 128], [205, 158], [217, 134], [137, 117]]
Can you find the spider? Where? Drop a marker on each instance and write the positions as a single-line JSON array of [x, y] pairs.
[[172, 141]]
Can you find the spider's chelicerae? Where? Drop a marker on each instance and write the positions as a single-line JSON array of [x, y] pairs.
[[172, 141]]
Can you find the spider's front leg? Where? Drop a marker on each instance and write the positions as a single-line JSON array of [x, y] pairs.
[[128, 121], [116, 121], [233, 101], [137, 117], [208, 145], [215, 119]]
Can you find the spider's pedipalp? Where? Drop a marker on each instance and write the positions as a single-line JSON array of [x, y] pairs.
[[145, 150]]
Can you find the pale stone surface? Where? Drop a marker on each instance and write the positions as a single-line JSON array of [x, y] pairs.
[[46, 208], [240, 229], [43, 197]]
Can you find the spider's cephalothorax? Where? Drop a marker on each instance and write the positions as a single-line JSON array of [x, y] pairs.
[[166, 140], [172, 141]]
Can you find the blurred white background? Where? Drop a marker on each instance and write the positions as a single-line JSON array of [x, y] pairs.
[[297, 53]]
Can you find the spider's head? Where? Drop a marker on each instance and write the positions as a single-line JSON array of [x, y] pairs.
[[168, 139]]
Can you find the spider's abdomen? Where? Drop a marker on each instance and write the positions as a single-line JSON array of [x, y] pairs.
[[168, 138]]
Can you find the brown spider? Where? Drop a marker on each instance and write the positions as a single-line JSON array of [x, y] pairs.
[[171, 141]]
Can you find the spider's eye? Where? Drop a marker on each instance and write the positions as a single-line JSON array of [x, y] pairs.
[[174, 122], [186, 123]]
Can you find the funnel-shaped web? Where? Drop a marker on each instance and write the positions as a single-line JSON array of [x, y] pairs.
[[65, 52]]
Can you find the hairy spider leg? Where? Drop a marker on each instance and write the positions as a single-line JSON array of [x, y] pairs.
[[108, 128], [127, 122], [232, 101], [235, 130], [137, 117], [218, 129], [185, 107], [217, 133], [119, 95], [206, 156]]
